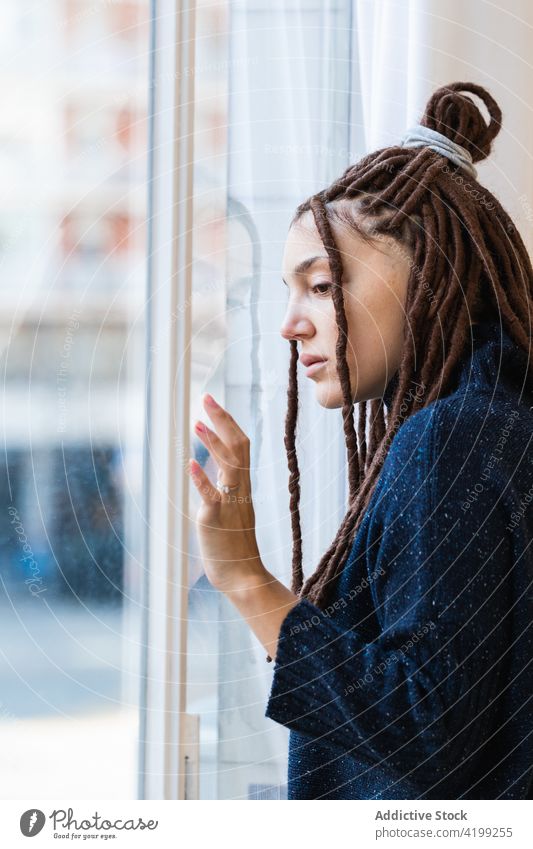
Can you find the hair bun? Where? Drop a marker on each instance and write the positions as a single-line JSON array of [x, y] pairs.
[[456, 116]]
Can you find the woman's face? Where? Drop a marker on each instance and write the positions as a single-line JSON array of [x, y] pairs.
[[375, 280]]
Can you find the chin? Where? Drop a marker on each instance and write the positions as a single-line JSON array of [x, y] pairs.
[[328, 397]]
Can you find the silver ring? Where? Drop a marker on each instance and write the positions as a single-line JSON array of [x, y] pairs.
[[225, 488]]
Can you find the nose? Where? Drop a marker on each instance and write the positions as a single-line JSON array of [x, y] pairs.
[[296, 325]]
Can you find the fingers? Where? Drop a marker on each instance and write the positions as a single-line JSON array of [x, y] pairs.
[[216, 447], [209, 493], [226, 426]]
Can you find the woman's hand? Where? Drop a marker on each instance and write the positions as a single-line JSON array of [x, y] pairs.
[[225, 524]]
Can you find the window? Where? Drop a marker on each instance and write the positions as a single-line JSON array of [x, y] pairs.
[[177, 138], [73, 140], [268, 127]]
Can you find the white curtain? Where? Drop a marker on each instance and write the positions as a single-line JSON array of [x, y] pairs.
[[290, 93], [405, 49]]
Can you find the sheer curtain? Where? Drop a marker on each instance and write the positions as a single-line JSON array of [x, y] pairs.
[[388, 54], [312, 87], [404, 49], [289, 126]]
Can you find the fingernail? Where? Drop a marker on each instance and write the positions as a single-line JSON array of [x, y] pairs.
[[193, 467], [210, 400], [200, 426]]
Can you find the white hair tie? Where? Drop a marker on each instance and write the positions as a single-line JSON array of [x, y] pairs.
[[420, 136]]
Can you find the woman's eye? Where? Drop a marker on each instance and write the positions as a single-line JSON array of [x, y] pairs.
[[322, 286]]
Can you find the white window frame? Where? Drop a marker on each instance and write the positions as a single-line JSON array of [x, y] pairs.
[[168, 736]]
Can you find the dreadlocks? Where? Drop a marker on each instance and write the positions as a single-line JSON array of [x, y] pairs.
[[464, 250]]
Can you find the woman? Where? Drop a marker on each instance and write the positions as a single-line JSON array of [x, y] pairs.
[[402, 664]]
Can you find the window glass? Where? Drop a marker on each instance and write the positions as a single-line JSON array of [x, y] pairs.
[[74, 82], [272, 111]]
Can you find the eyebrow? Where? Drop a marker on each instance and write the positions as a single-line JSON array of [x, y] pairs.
[[305, 264]]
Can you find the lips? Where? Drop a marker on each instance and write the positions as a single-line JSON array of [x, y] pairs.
[[308, 359]]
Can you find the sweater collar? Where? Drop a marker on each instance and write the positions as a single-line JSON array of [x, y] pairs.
[[491, 359]]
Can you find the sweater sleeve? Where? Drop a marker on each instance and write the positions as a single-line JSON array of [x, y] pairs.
[[423, 694]]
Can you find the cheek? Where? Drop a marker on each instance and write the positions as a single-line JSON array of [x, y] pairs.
[[376, 319], [325, 321], [380, 305]]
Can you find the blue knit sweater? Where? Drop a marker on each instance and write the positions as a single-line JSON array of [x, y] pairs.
[[416, 681]]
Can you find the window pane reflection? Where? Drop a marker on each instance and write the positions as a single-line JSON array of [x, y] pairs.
[[74, 81]]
